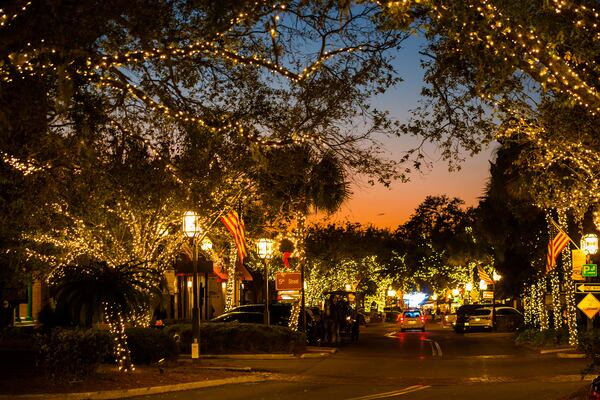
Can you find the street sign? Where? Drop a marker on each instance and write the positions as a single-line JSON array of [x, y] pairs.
[[589, 270], [288, 281], [587, 287], [589, 305]]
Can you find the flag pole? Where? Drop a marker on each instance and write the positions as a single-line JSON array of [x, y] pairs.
[[564, 233]]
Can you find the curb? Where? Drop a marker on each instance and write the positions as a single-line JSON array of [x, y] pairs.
[[570, 355], [119, 394], [556, 350], [249, 356]]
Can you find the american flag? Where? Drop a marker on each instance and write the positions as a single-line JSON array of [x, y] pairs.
[[235, 225], [555, 246], [484, 276]]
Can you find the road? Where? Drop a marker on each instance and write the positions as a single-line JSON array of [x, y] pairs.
[[386, 364]]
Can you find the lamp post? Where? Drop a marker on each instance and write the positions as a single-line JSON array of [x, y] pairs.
[[191, 229], [468, 288], [206, 246], [264, 248], [495, 278], [589, 244]]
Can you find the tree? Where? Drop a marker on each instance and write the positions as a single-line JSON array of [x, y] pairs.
[[347, 255], [438, 247], [206, 91], [114, 292]]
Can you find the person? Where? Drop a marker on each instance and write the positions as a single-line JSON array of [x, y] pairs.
[[6, 314]]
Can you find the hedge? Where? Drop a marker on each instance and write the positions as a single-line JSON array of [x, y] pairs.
[[233, 337]]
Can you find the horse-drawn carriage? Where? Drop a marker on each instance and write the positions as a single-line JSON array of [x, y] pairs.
[[340, 317]]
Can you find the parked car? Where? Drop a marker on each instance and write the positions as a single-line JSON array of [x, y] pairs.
[[391, 314], [248, 317], [480, 317], [411, 319], [449, 319], [279, 315]]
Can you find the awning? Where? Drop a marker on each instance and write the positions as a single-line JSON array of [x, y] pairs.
[[183, 265], [223, 276]]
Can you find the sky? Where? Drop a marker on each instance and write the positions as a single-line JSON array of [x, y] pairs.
[[389, 207]]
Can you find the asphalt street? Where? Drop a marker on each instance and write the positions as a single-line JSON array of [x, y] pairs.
[[436, 364]]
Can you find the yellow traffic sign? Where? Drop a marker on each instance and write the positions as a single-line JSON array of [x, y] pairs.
[[590, 305]]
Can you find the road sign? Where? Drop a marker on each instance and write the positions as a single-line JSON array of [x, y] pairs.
[[589, 270], [590, 305], [587, 287], [288, 281]]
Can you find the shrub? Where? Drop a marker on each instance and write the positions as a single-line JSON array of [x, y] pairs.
[[148, 345], [545, 338], [232, 337], [74, 353]]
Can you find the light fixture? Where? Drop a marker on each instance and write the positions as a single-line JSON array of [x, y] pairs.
[[589, 243], [496, 277], [482, 285], [206, 244], [264, 248], [191, 224], [468, 286]]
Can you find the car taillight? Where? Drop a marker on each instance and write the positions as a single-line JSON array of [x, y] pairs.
[[422, 318], [400, 318]]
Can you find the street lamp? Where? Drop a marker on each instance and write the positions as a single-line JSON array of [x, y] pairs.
[[191, 229], [495, 277], [264, 248], [589, 244], [468, 288], [206, 246]]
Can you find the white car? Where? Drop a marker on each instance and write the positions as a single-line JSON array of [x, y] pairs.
[[481, 318], [411, 319]]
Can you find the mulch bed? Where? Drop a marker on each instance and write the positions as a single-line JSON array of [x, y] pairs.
[[109, 378]]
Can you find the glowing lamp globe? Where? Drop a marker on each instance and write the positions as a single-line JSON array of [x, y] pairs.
[[589, 243], [191, 224], [264, 248]]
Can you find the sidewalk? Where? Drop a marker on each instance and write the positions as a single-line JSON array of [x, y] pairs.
[[185, 374]]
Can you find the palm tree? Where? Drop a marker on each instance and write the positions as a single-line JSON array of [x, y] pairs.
[[98, 289]]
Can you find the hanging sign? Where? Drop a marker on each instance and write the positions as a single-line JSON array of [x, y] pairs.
[[578, 257]]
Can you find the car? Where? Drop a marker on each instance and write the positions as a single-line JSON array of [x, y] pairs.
[[508, 319], [411, 319], [279, 315], [480, 317], [449, 319], [391, 314], [247, 317]]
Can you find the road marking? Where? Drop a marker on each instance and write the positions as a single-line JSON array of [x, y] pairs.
[[394, 393], [439, 348], [392, 334], [436, 349]]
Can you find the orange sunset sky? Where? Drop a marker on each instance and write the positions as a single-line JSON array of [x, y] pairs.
[[389, 207]]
